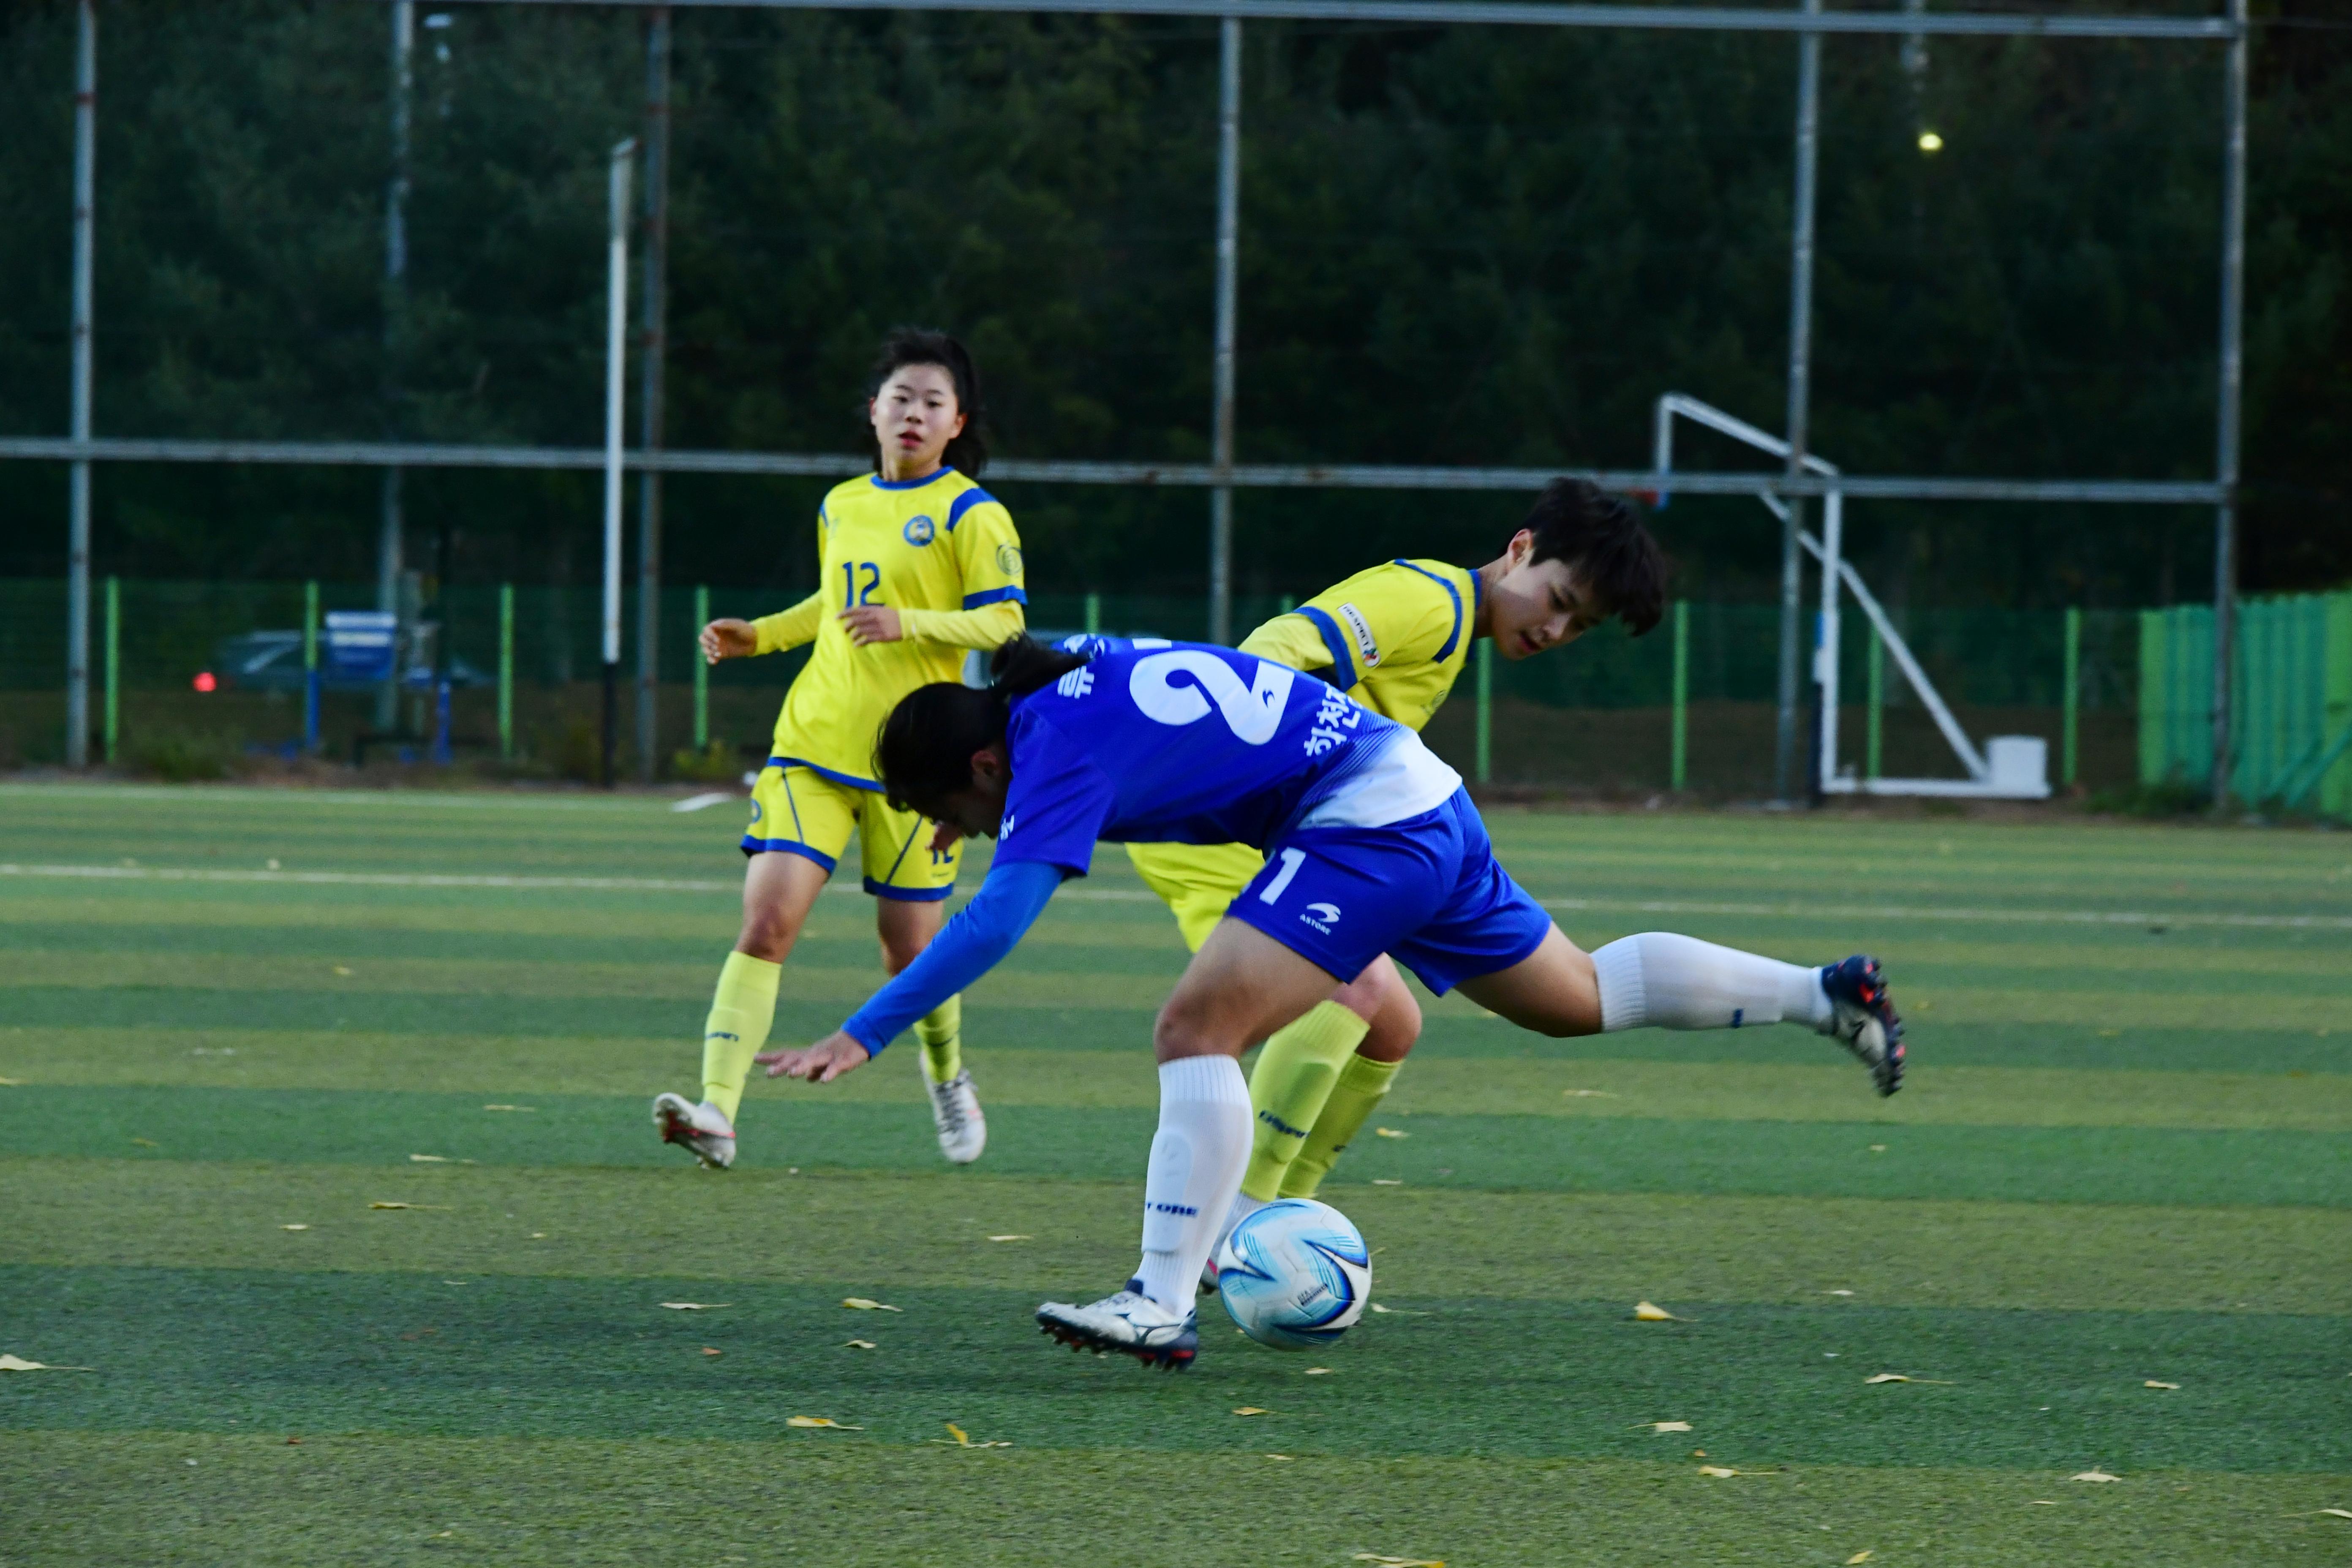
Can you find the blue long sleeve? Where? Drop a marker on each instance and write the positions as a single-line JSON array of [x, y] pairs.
[[976, 939]]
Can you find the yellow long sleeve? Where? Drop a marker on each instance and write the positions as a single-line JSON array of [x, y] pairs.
[[985, 627], [790, 629]]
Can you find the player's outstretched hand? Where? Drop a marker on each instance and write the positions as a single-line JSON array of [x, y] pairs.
[[728, 639], [871, 622], [823, 1062]]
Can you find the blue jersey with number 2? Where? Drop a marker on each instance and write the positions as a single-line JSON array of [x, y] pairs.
[[1175, 742]]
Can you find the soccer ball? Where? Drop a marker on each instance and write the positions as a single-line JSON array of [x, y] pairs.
[[1294, 1274]]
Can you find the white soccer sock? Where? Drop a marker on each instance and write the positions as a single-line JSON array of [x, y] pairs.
[[1197, 1159], [1659, 980]]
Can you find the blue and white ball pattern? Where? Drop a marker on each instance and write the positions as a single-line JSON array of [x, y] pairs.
[[1294, 1274]]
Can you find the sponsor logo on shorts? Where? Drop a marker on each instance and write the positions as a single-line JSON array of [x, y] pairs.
[[1322, 917], [921, 530], [1366, 648]]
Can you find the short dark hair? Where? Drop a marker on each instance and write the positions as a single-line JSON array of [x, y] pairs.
[[923, 754], [968, 453], [1601, 538]]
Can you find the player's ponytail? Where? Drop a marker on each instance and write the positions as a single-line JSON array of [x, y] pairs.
[[968, 453], [924, 752]]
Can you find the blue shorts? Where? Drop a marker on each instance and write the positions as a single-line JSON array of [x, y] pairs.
[[1426, 890]]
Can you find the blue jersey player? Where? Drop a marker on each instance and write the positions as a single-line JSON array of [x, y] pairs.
[[1372, 846]]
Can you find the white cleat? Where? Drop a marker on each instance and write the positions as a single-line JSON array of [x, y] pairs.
[[1129, 1322], [703, 1129], [955, 1112]]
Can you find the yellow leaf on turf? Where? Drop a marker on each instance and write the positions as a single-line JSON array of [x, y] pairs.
[[1284, 1457], [1398, 1561], [293, 1228], [1386, 1182], [2094, 1476], [1878, 1148], [1857, 1557], [1318, 1372], [1251, 1410], [1720, 1472], [826, 1421], [2042, 1502], [1837, 1292], [696, 1306], [1390, 1133], [963, 1439], [339, 969], [857, 1345], [1012, 1238], [1651, 1312], [17, 1363], [396, 1206], [429, 1159], [1669, 1426], [861, 1304], [2151, 1383], [2338, 1513], [707, 1350]]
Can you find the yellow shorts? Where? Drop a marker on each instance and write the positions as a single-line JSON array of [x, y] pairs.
[[799, 811], [1197, 880]]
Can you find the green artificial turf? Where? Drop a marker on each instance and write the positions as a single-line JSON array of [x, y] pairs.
[[2125, 1157]]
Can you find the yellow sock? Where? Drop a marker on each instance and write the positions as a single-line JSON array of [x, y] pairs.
[[940, 1034], [1294, 1076], [741, 1011], [1354, 1098]]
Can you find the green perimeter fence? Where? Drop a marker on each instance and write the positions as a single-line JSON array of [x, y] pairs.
[[1690, 706]]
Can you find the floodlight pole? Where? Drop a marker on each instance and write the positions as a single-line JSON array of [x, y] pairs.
[[390, 544], [616, 354], [654, 314], [84, 291], [1229, 213], [2232, 377], [1801, 349]]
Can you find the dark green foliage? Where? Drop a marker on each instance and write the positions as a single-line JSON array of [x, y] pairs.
[[1459, 245]]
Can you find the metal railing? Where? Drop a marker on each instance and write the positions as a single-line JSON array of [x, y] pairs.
[[1809, 25]]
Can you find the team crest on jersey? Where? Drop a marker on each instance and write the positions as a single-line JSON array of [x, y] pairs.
[[1361, 628], [921, 530], [1008, 560]]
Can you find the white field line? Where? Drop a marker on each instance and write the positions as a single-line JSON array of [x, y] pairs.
[[1857, 912]]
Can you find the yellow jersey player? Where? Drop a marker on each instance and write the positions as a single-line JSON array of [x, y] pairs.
[[1395, 638], [918, 564]]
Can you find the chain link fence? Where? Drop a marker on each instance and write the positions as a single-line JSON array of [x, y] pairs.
[[1597, 717]]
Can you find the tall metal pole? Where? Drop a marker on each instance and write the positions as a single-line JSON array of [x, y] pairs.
[[616, 357], [1801, 351], [1229, 223], [656, 323], [389, 549], [2232, 375], [84, 291]]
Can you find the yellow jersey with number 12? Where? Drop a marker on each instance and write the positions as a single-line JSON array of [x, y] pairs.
[[939, 543], [1395, 637]]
